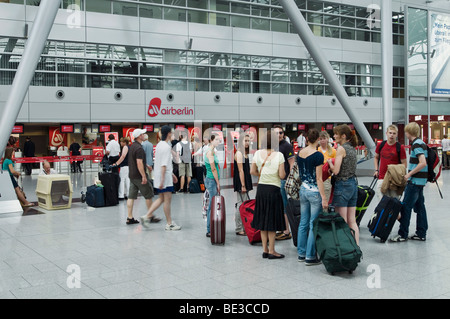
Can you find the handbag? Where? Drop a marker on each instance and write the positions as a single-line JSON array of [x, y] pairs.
[[293, 183]]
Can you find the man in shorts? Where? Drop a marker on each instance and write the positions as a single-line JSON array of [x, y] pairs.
[[139, 180], [163, 180]]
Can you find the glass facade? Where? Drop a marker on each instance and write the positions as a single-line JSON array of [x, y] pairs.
[[70, 64], [326, 19]]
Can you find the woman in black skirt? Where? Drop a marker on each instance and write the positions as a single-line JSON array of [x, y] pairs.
[[268, 164]]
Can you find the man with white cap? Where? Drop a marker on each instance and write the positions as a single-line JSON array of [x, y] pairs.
[[139, 180], [163, 180]]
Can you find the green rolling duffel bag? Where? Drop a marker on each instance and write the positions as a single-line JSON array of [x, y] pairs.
[[335, 243]]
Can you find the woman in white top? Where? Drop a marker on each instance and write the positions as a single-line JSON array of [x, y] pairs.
[[268, 164]]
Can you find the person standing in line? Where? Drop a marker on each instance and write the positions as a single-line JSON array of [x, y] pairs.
[[268, 164], [139, 180], [8, 165], [122, 163], [242, 180], [312, 197], [184, 150], [328, 153], [287, 150], [445, 152], [163, 180], [416, 179], [28, 151], [345, 193], [212, 183], [75, 150], [148, 148], [113, 152], [388, 152]]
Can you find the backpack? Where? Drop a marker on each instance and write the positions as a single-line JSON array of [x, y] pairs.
[[335, 243], [434, 167], [398, 147]]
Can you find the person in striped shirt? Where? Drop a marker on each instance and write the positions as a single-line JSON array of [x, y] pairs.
[[416, 180]]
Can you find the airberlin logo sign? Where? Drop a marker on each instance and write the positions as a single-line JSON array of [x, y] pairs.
[[155, 109]]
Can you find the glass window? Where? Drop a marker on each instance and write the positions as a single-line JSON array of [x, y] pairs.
[[71, 65], [199, 4], [220, 73], [330, 20], [240, 22], [347, 10], [202, 58], [241, 60], [280, 88], [152, 12], [71, 49], [280, 64], [151, 83], [178, 3], [278, 13], [124, 82], [240, 8], [219, 19], [125, 53], [241, 74], [197, 16], [260, 24], [102, 6], [260, 62], [280, 76], [151, 55], [298, 89], [71, 80], [220, 86], [175, 14], [242, 87], [221, 5], [8, 61], [175, 56], [175, 70], [315, 6], [198, 72], [348, 34], [101, 51], [151, 69], [99, 81], [329, 32], [279, 26], [44, 79], [98, 66], [260, 11], [126, 9], [7, 77], [126, 67], [46, 64], [198, 85], [347, 22], [175, 84], [331, 8]]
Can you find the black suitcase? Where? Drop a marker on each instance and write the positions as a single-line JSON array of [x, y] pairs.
[[95, 196], [110, 182], [293, 214], [383, 220], [365, 196]]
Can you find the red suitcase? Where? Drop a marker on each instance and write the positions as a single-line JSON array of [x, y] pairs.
[[246, 210], [218, 220]]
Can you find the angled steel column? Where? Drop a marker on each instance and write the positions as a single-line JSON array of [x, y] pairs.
[[309, 40], [387, 63], [33, 48]]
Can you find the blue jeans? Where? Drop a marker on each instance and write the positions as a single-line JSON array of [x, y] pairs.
[[413, 198], [311, 206], [211, 186], [283, 194]]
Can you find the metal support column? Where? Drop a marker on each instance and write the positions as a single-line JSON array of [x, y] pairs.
[[33, 48], [308, 38], [387, 64]]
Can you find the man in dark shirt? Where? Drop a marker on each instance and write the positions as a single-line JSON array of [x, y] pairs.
[[288, 152], [139, 180], [75, 150], [28, 151]]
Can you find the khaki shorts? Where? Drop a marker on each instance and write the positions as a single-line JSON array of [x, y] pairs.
[[137, 186], [184, 170]]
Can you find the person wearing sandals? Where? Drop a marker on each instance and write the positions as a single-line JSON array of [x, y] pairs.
[[139, 180], [268, 164], [8, 165], [212, 177], [163, 179], [312, 197], [242, 180], [345, 194]]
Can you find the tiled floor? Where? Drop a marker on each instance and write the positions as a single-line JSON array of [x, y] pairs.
[[120, 261]]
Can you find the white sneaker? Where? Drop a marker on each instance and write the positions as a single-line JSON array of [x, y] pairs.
[[172, 226], [145, 221], [397, 239]]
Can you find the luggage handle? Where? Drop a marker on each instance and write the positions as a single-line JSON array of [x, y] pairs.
[[374, 182]]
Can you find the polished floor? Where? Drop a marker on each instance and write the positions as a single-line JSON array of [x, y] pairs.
[[44, 253]]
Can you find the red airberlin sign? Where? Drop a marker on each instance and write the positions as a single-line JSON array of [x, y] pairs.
[[155, 109]]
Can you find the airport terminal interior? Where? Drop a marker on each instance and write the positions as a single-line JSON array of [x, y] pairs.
[[92, 68]]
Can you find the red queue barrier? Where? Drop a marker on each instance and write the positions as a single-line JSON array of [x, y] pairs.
[[57, 159]]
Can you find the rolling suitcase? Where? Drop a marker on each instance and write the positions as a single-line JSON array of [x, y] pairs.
[[383, 220], [218, 220], [246, 211], [110, 182], [95, 196], [365, 196], [293, 214], [335, 243]]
